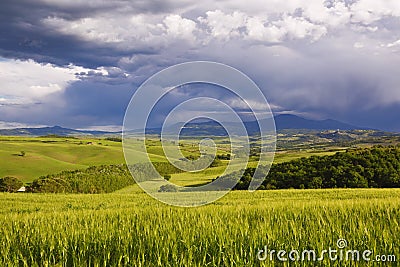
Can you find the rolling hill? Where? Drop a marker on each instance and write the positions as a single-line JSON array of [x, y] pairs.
[[282, 122], [288, 121], [55, 130]]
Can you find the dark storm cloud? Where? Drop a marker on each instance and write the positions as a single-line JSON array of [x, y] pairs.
[[329, 81], [186, 92], [82, 105], [340, 64], [25, 36], [384, 117]]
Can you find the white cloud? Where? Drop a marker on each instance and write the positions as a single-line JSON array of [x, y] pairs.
[[253, 104], [107, 128], [253, 20], [336, 15], [358, 45], [28, 82], [369, 11], [299, 28], [12, 125], [257, 30], [257, 7], [136, 31], [31, 81], [111, 29], [238, 24], [224, 25], [179, 27], [396, 43]]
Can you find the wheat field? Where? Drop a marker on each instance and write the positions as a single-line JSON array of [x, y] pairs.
[[129, 228]]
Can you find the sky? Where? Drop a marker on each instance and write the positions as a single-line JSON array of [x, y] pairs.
[[78, 63]]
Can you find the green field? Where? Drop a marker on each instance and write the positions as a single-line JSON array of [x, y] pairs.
[[50, 155], [47, 155], [128, 228]]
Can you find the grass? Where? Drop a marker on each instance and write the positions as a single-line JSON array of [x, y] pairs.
[[45, 155], [51, 155], [128, 228], [203, 177]]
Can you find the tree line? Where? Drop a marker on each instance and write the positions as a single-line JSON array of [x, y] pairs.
[[377, 167], [95, 179]]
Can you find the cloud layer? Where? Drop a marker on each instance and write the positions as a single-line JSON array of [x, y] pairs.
[[336, 59]]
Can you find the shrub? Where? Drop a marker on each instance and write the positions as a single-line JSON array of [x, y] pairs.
[[114, 139], [10, 184]]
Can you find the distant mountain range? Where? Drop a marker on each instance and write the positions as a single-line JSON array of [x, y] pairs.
[[55, 130], [288, 121], [282, 122]]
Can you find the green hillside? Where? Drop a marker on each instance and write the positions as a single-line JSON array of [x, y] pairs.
[[377, 167], [50, 155], [28, 158]]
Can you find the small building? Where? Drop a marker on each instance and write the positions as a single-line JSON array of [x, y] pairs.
[[22, 189]]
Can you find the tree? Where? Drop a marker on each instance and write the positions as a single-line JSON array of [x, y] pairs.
[[316, 183], [10, 184], [22, 153], [167, 177]]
